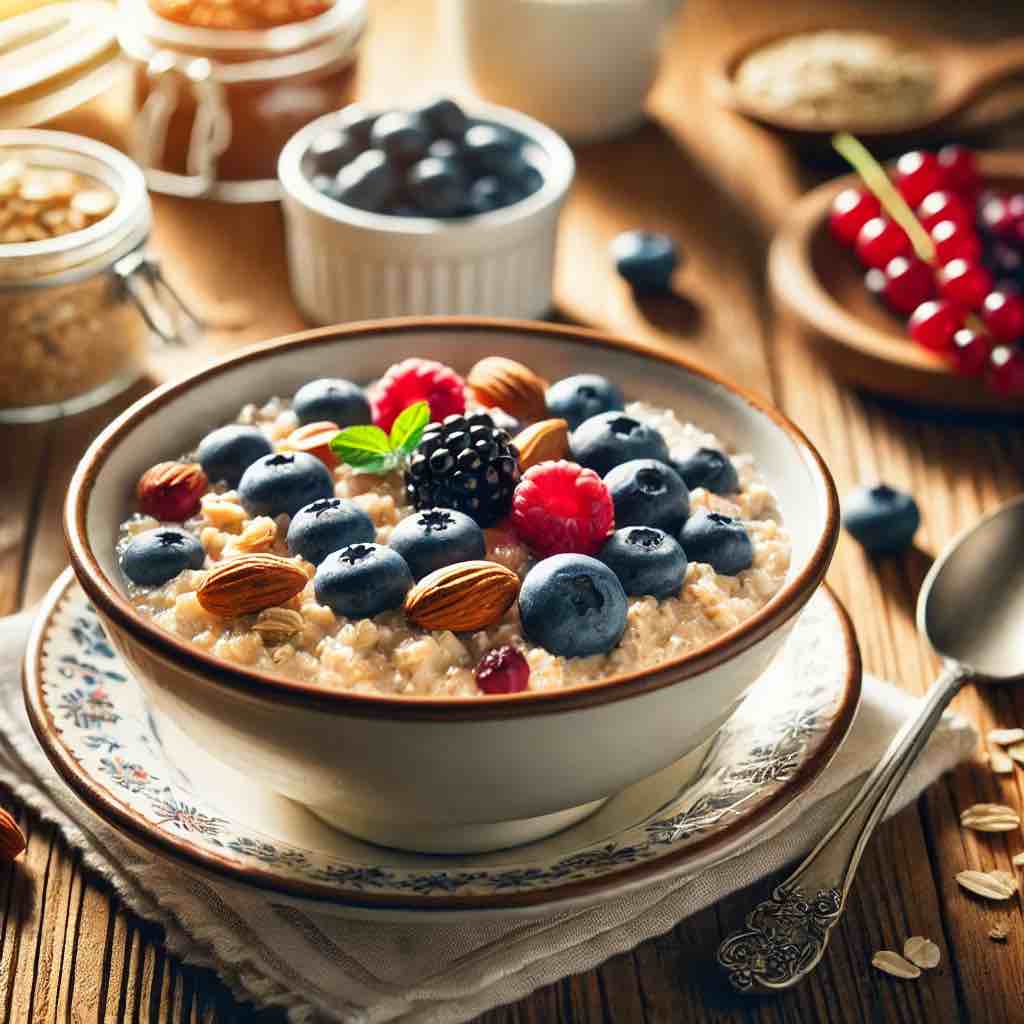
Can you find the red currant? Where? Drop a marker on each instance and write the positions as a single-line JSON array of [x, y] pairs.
[[1006, 371], [934, 323], [917, 174], [970, 352], [959, 169], [965, 283], [503, 670], [938, 206], [995, 217], [851, 210], [1003, 313], [880, 240], [955, 242], [908, 283]]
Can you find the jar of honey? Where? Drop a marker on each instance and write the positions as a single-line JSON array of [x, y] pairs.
[[221, 85]]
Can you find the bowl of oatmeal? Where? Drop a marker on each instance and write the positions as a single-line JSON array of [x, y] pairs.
[[450, 583]]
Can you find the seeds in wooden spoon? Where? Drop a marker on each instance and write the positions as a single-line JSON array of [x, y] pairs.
[[1000, 762], [993, 885], [990, 818], [892, 963], [1005, 737], [922, 952]]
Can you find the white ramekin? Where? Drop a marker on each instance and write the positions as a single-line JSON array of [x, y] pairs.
[[347, 264]]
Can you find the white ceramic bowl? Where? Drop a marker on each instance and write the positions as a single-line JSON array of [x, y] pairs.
[[347, 264], [444, 773]]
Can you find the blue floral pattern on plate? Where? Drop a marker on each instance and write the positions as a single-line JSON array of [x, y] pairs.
[[103, 722]]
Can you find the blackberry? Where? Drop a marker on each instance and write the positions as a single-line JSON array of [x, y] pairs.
[[464, 463]]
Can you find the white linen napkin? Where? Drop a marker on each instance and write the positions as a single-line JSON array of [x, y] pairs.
[[276, 951]]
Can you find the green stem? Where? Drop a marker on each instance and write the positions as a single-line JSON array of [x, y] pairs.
[[873, 174]]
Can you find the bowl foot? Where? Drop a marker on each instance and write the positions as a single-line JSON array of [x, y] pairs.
[[459, 838]]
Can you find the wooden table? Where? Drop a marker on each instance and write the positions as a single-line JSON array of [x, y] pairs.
[[69, 951]]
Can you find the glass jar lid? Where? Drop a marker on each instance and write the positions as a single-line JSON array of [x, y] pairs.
[[78, 253], [53, 59]]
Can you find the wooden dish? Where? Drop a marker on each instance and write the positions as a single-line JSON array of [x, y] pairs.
[[822, 284], [964, 74]]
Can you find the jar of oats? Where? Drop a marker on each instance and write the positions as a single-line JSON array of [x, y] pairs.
[[221, 85], [79, 298]]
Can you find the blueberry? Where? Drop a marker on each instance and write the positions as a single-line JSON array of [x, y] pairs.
[[362, 580], [331, 398], [331, 150], [573, 606], [326, 525], [156, 556], [444, 149], [608, 439], [227, 452], [646, 492], [437, 537], [284, 483], [520, 179], [646, 259], [646, 561], [577, 398], [402, 136], [357, 122], [708, 468], [490, 148], [486, 194], [881, 518], [445, 118], [437, 186], [324, 184], [369, 182], [719, 541]]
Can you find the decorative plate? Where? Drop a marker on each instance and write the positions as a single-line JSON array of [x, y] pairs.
[[163, 791]]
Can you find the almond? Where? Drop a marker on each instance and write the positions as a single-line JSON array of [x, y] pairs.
[[462, 597], [545, 441], [501, 382], [314, 438], [250, 584], [170, 491], [12, 839]]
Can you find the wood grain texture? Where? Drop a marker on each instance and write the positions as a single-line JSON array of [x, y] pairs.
[[70, 952]]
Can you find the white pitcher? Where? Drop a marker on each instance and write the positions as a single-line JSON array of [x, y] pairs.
[[583, 67]]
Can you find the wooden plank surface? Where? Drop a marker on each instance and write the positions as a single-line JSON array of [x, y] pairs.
[[70, 952]]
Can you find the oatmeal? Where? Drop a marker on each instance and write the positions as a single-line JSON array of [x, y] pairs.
[[482, 531], [832, 79]]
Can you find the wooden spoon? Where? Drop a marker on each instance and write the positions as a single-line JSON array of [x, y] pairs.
[[821, 283], [964, 74]]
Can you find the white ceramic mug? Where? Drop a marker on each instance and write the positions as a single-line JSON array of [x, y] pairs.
[[583, 67]]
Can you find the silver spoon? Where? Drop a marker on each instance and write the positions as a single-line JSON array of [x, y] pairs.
[[971, 610]]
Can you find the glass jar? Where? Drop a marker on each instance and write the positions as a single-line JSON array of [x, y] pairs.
[[77, 311], [215, 106]]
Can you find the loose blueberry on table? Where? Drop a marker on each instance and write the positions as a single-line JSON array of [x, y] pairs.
[[881, 518], [432, 162], [408, 507], [646, 260], [962, 304]]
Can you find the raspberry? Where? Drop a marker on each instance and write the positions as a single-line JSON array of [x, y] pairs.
[[503, 670], [560, 507], [418, 380]]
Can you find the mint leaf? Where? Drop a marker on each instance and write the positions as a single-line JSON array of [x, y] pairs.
[[379, 466], [408, 427], [362, 447]]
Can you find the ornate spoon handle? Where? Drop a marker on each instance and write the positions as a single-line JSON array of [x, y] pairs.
[[786, 936]]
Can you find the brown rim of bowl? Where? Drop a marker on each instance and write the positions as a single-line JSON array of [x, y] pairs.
[[108, 600], [129, 822]]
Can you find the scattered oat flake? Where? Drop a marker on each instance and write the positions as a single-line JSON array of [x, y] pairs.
[[892, 963], [1016, 752], [998, 933], [1000, 762], [922, 952], [993, 885], [990, 818], [1005, 737]]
